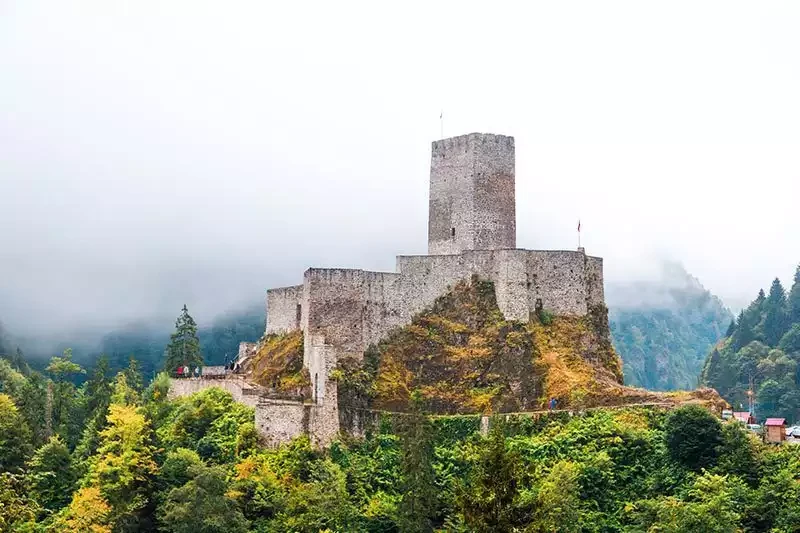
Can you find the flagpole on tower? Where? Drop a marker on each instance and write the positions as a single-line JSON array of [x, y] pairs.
[[579, 234], [441, 124]]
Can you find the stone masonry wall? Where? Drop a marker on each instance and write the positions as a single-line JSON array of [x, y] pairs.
[[472, 199], [279, 421], [282, 309], [241, 391]]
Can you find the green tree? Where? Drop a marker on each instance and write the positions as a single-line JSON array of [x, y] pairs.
[[321, 504], [693, 437], [15, 437], [67, 412], [175, 472], [775, 323], [790, 343], [16, 505], [744, 333], [98, 387], [489, 498], [710, 506], [88, 511], [738, 454], [123, 393], [133, 375], [32, 404], [184, 346], [201, 505], [52, 475], [418, 500], [558, 501], [124, 466], [794, 299]]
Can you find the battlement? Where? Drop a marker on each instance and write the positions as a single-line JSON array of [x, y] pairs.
[[443, 147]]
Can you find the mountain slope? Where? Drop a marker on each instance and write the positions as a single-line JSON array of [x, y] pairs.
[[664, 328], [761, 351]]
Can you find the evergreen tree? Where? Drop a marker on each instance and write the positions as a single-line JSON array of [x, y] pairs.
[[775, 322], [52, 475], [713, 370], [184, 346], [794, 299], [98, 388], [416, 463], [15, 437], [731, 328], [489, 500], [133, 375], [744, 334]]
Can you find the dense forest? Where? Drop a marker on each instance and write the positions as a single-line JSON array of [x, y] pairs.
[[116, 455], [663, 329], [760, 353]]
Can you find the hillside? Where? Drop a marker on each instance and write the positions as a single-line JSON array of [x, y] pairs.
[[664, 328], [762, 349], [462, 356]]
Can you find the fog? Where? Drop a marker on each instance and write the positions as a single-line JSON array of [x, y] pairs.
[[160, 153]]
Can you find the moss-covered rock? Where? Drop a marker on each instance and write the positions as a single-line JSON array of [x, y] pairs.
[[278, 365]]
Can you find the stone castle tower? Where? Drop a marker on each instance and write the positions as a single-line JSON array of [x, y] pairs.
[[472, 231], [472, 204]]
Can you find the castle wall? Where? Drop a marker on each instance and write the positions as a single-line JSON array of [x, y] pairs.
[[282, 310], [594, 281], [279, 421], [239, 389], [472, 198]]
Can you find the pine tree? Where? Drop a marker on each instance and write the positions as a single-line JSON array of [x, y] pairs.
[[744, 334], [731, 328], [418, 503], [794, 299], [184, 346], [775, 322], [133, 375], [98, 388]]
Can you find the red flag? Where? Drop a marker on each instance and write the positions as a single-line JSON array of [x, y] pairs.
[[579, 225]]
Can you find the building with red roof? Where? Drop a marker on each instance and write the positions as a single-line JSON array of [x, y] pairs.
[[776, 429]]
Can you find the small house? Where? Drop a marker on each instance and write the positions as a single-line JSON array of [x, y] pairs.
[[745, 417], [776, 429]]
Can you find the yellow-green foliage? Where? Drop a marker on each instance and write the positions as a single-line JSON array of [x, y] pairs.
[[278, 363]]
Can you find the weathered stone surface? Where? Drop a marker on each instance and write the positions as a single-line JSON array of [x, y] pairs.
[[471, 204]]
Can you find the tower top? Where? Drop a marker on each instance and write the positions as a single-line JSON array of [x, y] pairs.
[[472, 194]]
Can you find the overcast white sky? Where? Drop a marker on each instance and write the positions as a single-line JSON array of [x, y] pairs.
[[155, 153]]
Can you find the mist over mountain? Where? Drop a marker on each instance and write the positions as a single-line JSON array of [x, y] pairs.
[[664, 327]]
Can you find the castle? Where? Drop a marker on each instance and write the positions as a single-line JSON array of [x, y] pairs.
[[471, 231]]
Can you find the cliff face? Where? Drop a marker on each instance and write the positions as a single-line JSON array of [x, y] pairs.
[[462, 356]]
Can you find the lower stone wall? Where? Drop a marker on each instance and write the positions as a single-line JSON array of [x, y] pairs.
[[241, 391], [279, 421]]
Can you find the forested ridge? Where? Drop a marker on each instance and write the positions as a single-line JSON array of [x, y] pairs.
[[761, 352], [663, 329]]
